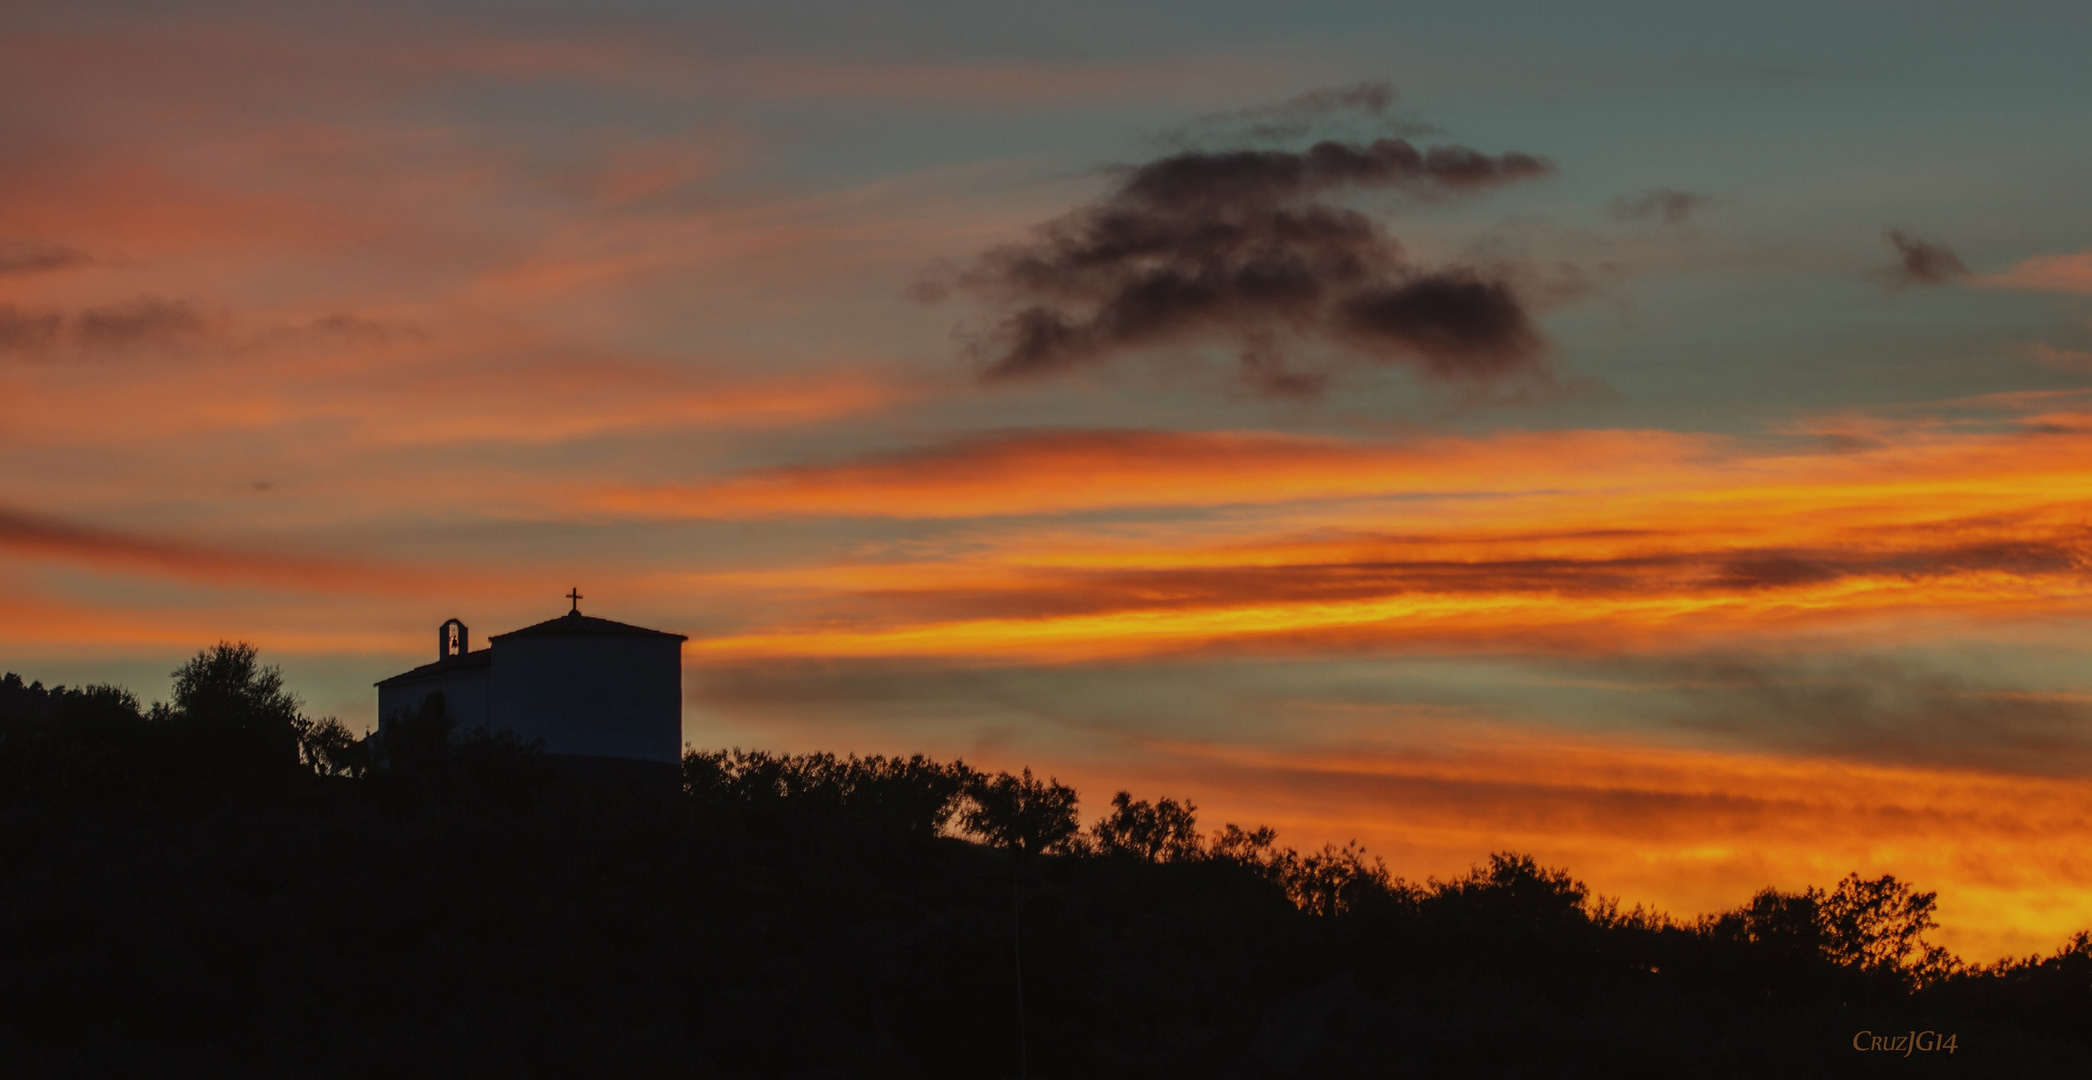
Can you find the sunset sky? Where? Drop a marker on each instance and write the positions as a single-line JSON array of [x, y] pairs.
[[1656, 437]]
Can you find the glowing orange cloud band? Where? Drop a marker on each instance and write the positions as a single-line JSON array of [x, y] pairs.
[[63, 541], [1063, 472], [1628, 534]]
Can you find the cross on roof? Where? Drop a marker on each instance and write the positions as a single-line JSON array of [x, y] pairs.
[[574, 594]]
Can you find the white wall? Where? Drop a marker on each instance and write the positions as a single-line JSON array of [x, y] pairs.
[[465, 696], [599, 694]]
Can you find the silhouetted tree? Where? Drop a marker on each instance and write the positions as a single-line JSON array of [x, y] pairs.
[[2053, 992], [1164, 831], [86, 742], [1336, 880], [1879, 926], [234, 725], [421, 755], [915, 796], [328, 748], [1782, 921], [417, 740], [1022, 813], [1872, 927], [806, 915], [1254, 848], [1515, 890], [1330, 882], [1776, 942]]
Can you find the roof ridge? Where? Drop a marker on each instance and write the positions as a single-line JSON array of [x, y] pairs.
[[472, 659], [575, 623]]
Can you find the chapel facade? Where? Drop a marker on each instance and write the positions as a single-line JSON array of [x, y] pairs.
[[593, 690]]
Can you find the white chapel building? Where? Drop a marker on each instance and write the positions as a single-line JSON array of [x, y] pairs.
[[589, 688]]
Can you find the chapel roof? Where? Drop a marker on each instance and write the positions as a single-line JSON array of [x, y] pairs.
[[574, 623], [445, 666]]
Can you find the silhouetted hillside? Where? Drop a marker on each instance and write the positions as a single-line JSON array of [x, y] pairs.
[[220, 885]]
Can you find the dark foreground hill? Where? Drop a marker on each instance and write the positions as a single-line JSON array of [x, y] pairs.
[[217, 886]]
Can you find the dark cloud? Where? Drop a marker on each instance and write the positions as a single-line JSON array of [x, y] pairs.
[[340, 330], [1248, 247], [1777, 571], [1372, 97], [1296, 117], [1663, 204], [358, 330], [24, 257], [1921, 262], [352, 327], [146, 322], [1460, 325], [1360, 108], [1883, 709], [1270, 179], [27, 331]]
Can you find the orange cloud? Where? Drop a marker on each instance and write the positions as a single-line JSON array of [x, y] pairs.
[[559, 401], [45, 538], [378, 388], [1610, 538], [2048, 273], [1059, 472], [53, 628]]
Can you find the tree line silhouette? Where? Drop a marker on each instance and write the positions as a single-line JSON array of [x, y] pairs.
[[222, 884]]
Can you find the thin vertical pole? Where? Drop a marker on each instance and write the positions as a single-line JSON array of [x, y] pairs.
[[1017, 922]]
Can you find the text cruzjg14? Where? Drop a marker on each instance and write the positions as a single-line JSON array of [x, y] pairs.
[[1905, 1044]]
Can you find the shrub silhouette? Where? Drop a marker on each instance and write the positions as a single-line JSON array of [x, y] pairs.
[[1163, 831], [420, 755], [234, 729], [85, 743], [234, 715], [1873, 928], [1022, 813], [328, 748], [231, 729], [447, 908], [1514, 892], [913, 796], [1879, 926], [416, 741], [2051, 992]]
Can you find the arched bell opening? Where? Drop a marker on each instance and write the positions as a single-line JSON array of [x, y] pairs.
[[452, 639]]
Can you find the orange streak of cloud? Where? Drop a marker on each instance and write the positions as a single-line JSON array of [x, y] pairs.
[[1616, 535], [45, 538], [2048, 273], [1062, 472]]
